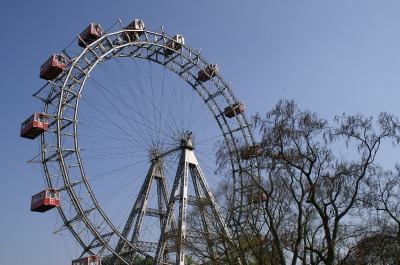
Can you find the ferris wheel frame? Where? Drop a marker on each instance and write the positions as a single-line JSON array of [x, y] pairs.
[[61, 103]]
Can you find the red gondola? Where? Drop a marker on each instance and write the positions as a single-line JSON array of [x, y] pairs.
[[90, 34], [137, 25], [250, 152], [234, 110], [256, 198], [54, 66], [45, 200], [34, 126], [208, 72], [174, 44], [89, 260]]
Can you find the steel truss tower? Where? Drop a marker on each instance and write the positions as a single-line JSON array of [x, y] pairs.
[[177, 236], [189, 188]]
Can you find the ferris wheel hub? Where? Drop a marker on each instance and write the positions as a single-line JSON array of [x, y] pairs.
[[187, 141]]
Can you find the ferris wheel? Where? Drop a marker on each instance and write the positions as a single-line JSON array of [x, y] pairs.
[[131, 121]]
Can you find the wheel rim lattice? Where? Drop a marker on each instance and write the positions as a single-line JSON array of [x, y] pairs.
[[61, 101]]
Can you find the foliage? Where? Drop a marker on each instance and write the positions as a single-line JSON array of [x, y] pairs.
[[135, 259], [375, 249]]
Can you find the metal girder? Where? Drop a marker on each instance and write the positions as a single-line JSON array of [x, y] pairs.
[[140, 208], [57, 154], [188, 169], [74, 220], [97, 243]]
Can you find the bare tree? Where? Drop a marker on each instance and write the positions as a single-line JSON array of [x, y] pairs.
[[379, 248], [313, 175], [381, 199]]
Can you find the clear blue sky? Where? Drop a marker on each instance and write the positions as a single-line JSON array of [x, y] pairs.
[[331, 57]]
